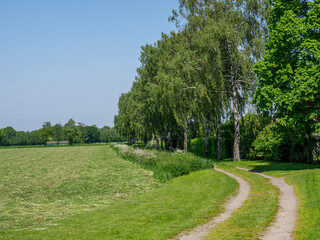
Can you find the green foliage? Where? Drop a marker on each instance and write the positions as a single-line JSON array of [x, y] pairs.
[[289, 72], [165, 165], [191, 76], [57, 132], [3, 138], [93, 134], [70, 131], [251, 125], [45, 132], [278, 143], [197, 147], [108, 134]]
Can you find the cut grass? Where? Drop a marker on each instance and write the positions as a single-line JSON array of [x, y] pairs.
[[306, 180], [39, 185], [256, 213], [159, 214]]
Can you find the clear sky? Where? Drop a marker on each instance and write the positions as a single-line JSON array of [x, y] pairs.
[[67, 59]]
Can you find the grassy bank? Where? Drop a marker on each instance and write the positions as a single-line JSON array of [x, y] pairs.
[[41, 185], [182, 203], [165, 165]]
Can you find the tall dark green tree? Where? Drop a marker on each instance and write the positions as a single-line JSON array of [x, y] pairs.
[[289, 72]]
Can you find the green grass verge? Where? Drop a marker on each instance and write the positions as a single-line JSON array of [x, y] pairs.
[[256, 213], [307, 186], [165, 165], [182, 203], [40, 185], [306, 180]]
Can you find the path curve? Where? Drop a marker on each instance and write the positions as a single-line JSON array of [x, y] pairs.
[[285, 220], [231, 206]]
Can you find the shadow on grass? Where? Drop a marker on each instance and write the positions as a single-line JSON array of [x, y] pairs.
[[268, 166], [277, 166]]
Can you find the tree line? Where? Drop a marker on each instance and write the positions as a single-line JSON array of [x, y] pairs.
[[223, 55], [194, 77], [71, 131]]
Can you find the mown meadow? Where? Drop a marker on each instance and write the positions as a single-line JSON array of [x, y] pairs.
[[41, 185], [90, 192]]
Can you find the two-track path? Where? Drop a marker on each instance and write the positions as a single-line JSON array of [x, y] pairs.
[[280, 229], [285, 220], [232, 205]]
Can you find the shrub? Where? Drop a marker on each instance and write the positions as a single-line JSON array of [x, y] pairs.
[[277, 143]]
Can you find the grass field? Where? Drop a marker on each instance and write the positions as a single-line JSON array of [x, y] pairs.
[[91, 193], [159, 214], [39, 185]]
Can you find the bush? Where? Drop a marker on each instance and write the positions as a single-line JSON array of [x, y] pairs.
[[164, 165], [277, 143]]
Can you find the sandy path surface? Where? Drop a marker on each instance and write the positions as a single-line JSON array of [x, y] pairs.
[[232, 205], [285, 220]]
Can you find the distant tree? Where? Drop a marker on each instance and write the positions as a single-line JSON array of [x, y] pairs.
[[93, 134], [33, 138], [3, 138], [10, 133], [45, 132], [108, 134], [57, 132], [70, 131], [82, 132]]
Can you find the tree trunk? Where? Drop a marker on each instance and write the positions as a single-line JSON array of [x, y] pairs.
[[235, 102], [310, 148], [220, 157], [171, 142], [152, 141], [162, 143], [157, 140], [236, 144], [206, 144], [185, 135], [178, 141]]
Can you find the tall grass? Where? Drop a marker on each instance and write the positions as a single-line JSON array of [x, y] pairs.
[[164, 165]]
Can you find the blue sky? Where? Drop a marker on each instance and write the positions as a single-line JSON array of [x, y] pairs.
[[67, 59]]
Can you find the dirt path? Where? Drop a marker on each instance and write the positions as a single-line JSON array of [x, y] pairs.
[[232, 205], [285, 220]]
